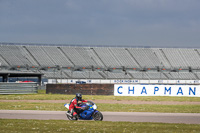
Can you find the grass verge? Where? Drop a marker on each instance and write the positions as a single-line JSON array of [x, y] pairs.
[[104, 107], [96, 97], [12, 125]]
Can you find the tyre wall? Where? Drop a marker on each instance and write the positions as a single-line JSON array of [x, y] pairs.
[[86, 89]]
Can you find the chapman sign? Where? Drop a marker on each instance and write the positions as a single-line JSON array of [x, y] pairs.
[[156, 90]]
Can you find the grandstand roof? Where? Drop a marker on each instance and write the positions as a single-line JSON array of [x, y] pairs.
[[20, 74], [94, 45]]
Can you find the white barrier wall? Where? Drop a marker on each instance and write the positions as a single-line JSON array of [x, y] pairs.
[[156, 90], [124, 81]]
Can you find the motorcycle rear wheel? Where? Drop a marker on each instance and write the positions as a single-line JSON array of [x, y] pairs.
[[98, 116]]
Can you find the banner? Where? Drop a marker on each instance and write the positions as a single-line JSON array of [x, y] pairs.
[[156, 90]]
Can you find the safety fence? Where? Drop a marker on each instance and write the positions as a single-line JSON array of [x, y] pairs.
[[18, 88]]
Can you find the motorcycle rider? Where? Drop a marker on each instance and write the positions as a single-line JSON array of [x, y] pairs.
[[74, 104]]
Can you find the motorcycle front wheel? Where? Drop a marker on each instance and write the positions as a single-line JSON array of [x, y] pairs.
[[71, 117], [98, 116]]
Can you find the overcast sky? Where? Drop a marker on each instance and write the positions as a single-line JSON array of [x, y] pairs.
[[161, 23]]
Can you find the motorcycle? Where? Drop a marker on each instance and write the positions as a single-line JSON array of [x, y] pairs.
[[89, 112]]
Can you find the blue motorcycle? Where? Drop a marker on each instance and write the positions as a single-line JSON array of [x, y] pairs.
[[89, 112]]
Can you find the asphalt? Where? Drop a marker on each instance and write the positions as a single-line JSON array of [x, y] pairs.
[[187, 118]]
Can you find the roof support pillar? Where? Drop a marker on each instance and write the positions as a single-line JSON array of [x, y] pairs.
[[5, 78]]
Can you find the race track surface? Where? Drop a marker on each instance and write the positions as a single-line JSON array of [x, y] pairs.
[[188, 118]]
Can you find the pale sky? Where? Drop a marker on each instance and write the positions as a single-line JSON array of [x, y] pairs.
[[160, 23]]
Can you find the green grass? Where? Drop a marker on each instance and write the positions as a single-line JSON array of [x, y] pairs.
[[150, 108], [24, 126], [42, 91], [101, 106], [104, 107], [95, 97]]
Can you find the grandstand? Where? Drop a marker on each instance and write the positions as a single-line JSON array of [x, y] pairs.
[[79, 62]]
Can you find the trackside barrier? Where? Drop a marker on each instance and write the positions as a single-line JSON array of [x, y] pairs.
[[122, 81], [86, 89], [18, 88], [156, 90]]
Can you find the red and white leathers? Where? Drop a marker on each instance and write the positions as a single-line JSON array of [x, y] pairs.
[[74, 104]]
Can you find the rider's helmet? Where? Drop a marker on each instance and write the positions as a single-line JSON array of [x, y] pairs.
[[79, 96]]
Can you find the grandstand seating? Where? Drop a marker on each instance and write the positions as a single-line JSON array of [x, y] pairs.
[[26, 56], [74, 56], [198, 75], [174, 57], [13, 56], [114, 75], [139, 75], [54, 75], [83, 74], [76, 74], [103, 62], [124, 58], [82, 57], [90, 57], [40, 56], [181, 76], [191, 56], [156, 75], [145, 57], [164, 63], [57, 56], [107, 57], [3, 62], [92, 75]]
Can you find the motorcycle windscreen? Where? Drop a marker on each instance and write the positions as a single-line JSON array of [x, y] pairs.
[[67, 106]]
